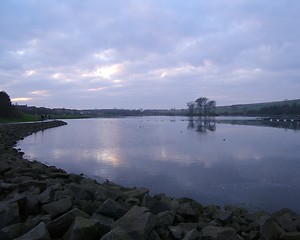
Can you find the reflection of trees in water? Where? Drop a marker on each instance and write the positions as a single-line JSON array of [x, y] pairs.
[[265, 123], [202, 124]]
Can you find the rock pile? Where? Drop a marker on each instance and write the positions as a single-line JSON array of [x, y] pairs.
[[43, 202]]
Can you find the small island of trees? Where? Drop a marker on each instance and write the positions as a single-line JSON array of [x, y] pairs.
[[202, 107]]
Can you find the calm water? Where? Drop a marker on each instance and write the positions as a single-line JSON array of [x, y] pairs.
[[252, 166]]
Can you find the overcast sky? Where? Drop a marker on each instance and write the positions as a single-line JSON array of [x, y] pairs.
[[148, 53]]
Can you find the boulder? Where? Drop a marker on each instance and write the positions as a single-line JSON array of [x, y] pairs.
[[12, 231], [269, 229], [192, 235], [220, 233], [165, 219], [138, 193], [57, 208], [186, 210], [83, 228], [176, 231], [138, 222], [117, 234], [61, 224], [40, 232], [48, 195], [80, 193], [287, 223], [105, 223], [224, 216], [111, 208], [155, 206]]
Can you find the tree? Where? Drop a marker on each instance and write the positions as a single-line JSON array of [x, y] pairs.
[[201, 105], [191, 108], [211, 107], [7, 110]]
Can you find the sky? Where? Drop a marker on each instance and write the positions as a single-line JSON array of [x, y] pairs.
[[148, 53]]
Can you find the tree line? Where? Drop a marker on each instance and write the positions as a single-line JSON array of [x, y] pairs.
[[7, 110], [201, 107]]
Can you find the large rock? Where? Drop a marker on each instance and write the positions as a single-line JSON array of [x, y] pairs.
[[224, 216], [105, 223], [111, 208], [165, 219], [138, 222], [48, 195], [269, 229], [58, 207], [40, 232], [155, 206], [138, 193], [220, 233], [117, 234], [83, 228], [61, 224]]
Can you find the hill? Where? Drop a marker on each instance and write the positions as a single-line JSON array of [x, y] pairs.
[[286, 107]]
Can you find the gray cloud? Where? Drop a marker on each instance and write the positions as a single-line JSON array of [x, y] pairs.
[[130, 54]]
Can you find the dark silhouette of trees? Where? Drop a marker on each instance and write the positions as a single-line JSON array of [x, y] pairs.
[[7, 110], [202, 107], [191, 108]]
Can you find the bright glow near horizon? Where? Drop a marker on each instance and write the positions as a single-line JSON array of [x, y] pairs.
[[150, 54]]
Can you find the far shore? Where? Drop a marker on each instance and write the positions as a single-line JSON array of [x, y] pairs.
[[44, 202]]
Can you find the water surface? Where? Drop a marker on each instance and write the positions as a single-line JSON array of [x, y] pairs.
[[214, 163]]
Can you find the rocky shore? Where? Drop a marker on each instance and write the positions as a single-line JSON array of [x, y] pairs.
[[43, 202]]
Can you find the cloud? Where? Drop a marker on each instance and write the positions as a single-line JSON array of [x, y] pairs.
[[149, 54]]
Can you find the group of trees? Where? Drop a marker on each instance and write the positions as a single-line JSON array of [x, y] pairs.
[[7, 110], [202, 107]]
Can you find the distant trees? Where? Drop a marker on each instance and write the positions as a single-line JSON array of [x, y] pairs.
[[202, 107], [7, 110]]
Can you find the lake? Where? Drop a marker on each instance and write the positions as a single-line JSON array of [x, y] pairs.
[[216, 161]]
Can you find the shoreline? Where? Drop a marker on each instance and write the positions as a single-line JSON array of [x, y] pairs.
[[42, 202]]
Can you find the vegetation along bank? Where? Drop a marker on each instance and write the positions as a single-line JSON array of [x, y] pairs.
[[43, 202]]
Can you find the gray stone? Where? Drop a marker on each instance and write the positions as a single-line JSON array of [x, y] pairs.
[[133, 202], [269, 229], [105, 223], [13, 231], [224, 216], [58, 207], [176, 231], [220, 233], [12, 215], [138, 193], [80, 193], [291, 236], [40, 232], [287, 223], [154, 236], [117, 234], [210, 211], [111, 208], [83, 228], [32, 205], [60, 225], [165, 218], [155, 206], [187, 227], [48, 195], [186, 210], [8, 186], [192, 235], [89, 206], [138, 222], [4, 166], [63, 194]]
